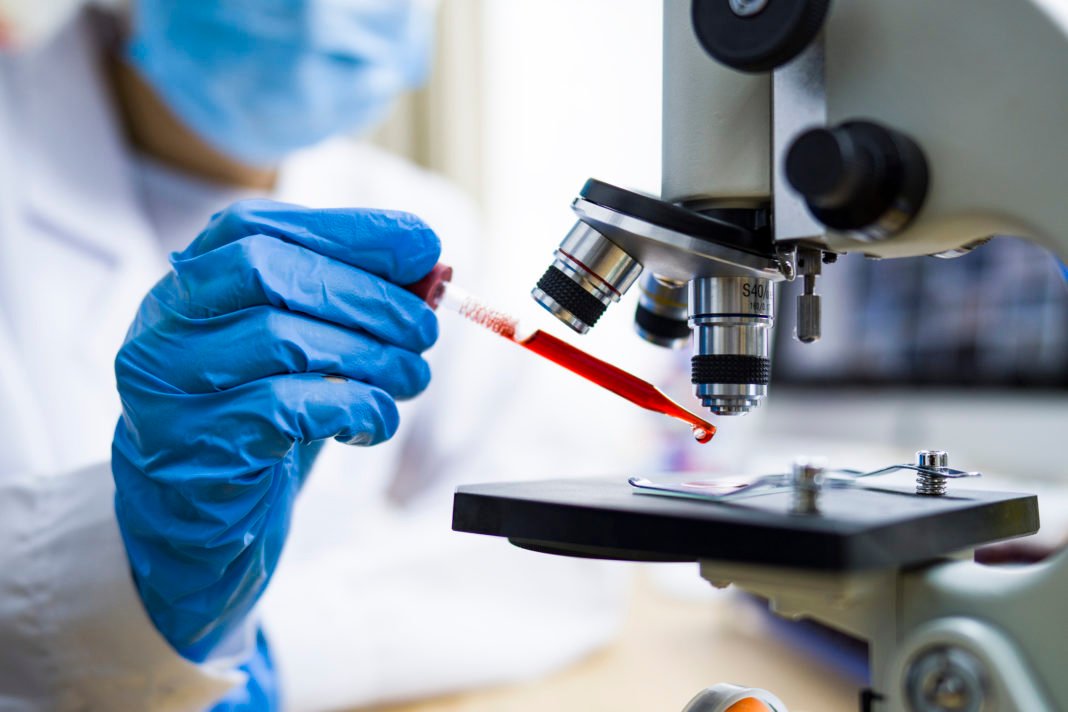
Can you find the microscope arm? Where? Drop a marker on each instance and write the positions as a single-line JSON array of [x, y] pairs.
[[978, 85]]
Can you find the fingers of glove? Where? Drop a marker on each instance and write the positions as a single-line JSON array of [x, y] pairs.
[[258, 270], [394, 245], [349, 411], [205, 355], [213, 440]]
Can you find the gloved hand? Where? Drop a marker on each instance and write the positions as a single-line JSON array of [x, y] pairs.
[[277, 328]]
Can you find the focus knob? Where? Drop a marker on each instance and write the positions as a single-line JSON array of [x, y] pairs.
[[757, 35], [859, 177]]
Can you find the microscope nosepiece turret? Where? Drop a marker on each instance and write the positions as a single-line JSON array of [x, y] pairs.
[[711, 274]]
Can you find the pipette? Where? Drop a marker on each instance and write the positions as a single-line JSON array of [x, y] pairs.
[[437, 289]]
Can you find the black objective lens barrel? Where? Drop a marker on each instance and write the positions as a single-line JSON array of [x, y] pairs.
[[662, 313]]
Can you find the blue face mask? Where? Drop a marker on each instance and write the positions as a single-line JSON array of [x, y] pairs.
[[258, 79]]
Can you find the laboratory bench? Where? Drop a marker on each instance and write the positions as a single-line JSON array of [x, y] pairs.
[[670, 648]]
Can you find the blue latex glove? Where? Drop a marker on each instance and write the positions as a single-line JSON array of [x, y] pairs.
[[228, 388], [260, 692], [260, 78]]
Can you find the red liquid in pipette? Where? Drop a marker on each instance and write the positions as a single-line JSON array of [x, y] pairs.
[[615, 379], [626, 385]]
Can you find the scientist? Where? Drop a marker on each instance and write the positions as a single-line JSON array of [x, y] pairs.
[[133, 557]]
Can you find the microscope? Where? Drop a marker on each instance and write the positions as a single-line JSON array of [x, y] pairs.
[[795, 131]]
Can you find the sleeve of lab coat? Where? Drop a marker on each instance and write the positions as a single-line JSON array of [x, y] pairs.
[[73, 632]]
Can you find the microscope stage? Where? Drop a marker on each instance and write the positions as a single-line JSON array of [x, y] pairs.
[[857, 528]]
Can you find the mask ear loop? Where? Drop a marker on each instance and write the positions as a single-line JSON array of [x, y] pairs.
[[732, 698]]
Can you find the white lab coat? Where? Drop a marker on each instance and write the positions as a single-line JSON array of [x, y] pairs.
[[375, 598]]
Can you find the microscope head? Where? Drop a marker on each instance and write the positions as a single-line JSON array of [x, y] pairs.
[[795, 131]]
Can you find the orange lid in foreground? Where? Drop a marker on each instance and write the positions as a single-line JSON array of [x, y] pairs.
[[749, 704]]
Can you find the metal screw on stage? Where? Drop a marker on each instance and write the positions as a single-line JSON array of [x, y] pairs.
[[929, 483], [807, 482]]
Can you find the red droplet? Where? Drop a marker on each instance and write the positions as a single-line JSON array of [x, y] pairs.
[[702, 434]]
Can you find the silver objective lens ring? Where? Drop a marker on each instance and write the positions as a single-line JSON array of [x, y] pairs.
[[587, 274]]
